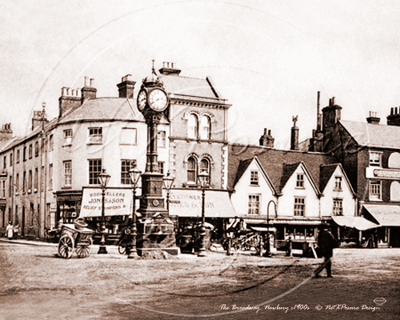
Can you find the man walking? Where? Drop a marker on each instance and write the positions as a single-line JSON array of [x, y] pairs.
[[326, 243]]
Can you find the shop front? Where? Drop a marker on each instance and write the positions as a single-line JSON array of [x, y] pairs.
[[68, 207]]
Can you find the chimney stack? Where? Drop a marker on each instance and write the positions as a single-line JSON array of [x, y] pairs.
[[169, 69], [88, 91], [394, 118], [39, 117], [266, 140], [6, 132], [373, 118], [294, 137], [331, 114], [126, 87], [69, 99]]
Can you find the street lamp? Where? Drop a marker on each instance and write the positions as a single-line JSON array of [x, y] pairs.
[[168, 182], [203, 178], [104, 178], [268, 249], [134, 174]]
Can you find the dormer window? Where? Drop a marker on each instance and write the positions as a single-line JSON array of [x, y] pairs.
[[375, 159], [300, 181], [338, 183], [254, 178]]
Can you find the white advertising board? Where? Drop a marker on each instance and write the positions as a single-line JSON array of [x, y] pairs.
[[117, 202]]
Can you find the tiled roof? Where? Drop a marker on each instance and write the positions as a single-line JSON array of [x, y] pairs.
[[287, 172], [105, 109], [188, 86], [243, 165], [373, 135], [273, 162], [326, 172]]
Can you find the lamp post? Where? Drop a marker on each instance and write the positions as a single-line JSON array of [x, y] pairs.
[[203, 177], [168, 182], [134, 174], [104, 178], [268, 249]]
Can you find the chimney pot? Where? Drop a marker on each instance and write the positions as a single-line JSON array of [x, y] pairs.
[[269, 132], [86, 83], [265, 131], [91, 82]]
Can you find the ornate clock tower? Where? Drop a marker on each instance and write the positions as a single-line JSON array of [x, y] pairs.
[[155, 227]]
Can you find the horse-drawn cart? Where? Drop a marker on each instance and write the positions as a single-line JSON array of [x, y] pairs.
[[75, 236]]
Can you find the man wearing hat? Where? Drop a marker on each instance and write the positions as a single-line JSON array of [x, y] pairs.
[[326, 243]]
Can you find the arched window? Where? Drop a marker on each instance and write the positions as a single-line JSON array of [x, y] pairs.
[[395, 191], [205, 128], [205, 166], [192, 126], [394, 160], [191, 170]]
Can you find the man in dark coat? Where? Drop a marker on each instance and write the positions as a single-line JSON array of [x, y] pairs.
[[326, 243]]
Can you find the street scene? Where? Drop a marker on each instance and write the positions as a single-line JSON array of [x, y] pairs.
[[199, 159], [36, 284]]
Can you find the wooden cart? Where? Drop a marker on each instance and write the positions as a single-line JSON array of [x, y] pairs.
[[72, 238]]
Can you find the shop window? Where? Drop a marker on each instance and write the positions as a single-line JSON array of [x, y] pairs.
[[161, 139], [375, 159], [205, 128], [128, 136], [192, 126], [127, 165], [299, 206], [338, 184], [375, 190], [67, 173], [95, 135], [300, 181], [67, 137], [254, 204], [395, 191], [191, 170], [254, 178], [337, 209], [94, 170]]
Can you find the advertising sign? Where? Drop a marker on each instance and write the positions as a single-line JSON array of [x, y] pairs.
[[117, 202]]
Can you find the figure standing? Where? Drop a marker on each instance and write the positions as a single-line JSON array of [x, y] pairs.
[[326, 242], [10, 231]]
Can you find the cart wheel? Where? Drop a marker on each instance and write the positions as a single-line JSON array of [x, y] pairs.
[[122, 246], [83, 250], [66, 246]]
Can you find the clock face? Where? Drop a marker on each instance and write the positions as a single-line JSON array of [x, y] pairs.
[[142, 100], [158, 100]]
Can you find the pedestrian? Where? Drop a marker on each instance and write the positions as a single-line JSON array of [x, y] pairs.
[[16, 231], [10, 231], [326, 243]]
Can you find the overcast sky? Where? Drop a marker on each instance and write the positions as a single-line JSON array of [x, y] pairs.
[[268, 58]]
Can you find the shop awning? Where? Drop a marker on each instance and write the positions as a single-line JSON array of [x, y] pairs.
[[360, 223], [187, 203], [387, 216]]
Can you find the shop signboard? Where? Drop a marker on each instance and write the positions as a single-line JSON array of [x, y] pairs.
[[117, 202]]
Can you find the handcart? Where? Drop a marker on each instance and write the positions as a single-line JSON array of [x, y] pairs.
[[75, 236]]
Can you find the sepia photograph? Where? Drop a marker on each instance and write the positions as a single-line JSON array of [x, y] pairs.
[[222, 159]]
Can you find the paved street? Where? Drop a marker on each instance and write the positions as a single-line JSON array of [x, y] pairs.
[[36, 284]]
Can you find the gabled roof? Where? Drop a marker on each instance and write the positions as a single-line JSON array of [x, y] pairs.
[[326, 173], [288, 171], [273, 161], [373, 135], [105, 109], [243, 166]]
